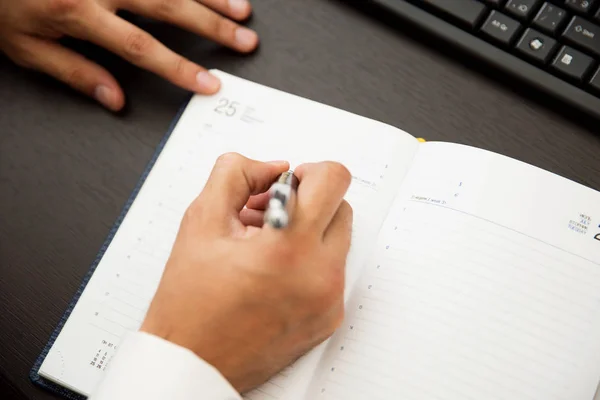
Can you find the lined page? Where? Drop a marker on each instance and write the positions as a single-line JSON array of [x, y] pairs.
[[257, 122], [485, 285]]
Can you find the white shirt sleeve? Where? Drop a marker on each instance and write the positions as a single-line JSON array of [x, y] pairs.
[[148, 367]]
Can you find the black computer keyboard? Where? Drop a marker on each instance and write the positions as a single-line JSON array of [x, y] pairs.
[[552, 44]]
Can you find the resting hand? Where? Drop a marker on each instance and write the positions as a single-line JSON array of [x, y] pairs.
[[249, 299], [29, 30]]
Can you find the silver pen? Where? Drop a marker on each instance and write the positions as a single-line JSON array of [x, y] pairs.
[[281, 200]]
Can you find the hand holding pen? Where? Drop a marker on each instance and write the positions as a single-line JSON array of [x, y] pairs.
[[245, 297]]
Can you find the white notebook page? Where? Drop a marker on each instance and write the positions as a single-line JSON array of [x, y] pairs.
[[260, 123], [485, 285]]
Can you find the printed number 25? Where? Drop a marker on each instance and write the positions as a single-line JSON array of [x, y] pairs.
[[226, 107]]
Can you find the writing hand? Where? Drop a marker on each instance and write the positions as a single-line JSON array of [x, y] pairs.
[[29, 30], [249, 299]]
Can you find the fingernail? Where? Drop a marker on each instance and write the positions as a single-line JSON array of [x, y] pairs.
[[207, 82], [104, 95], [238, 7], [278, 162], [245, 37]]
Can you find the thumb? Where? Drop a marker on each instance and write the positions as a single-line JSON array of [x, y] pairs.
[[71, 68], [232, 181]]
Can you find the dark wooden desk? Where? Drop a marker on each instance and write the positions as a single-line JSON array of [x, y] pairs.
[[67, 166]]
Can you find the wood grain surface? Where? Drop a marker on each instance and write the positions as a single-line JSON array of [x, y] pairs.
[[67, 166]]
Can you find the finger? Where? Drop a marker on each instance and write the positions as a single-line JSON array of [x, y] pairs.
[[258, 202], [339, 232], [251, 231], [320, 191], [198, 19], [250, 217], [233, 180], [73, 69], [236, 9], [141, 49]]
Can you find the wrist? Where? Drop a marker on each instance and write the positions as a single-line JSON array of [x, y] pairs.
[[211, 349]]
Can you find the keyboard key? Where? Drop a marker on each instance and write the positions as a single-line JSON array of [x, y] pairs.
[[494, 3], [522, 9], [582, 6], [501, 28], [595, 82], [468, 12], [597, 17], [572, 63], [550, 18], [583, 34], [536, 46]]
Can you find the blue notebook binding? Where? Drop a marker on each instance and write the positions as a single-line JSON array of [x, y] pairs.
[[34, 375]]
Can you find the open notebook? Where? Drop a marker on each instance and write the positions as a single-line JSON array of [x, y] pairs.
[[470, 276]]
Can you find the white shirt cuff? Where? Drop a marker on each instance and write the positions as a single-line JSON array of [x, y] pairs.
[[148, 367]]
